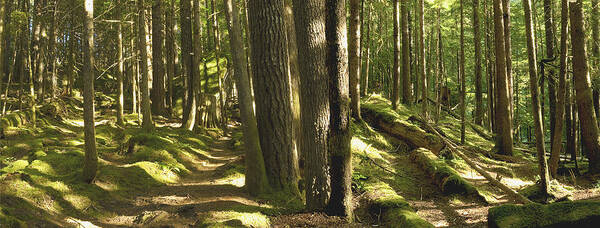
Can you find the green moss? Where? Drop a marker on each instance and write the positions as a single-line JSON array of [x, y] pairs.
[[562, 214], [15, 166], [392, 208]]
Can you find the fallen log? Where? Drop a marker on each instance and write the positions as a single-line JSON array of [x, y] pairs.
[[390, 122], [473, 126]]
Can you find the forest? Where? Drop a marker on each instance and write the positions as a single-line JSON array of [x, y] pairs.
[[299, 113]]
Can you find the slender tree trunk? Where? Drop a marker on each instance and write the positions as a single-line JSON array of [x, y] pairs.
[[537, 114], [256, 178], [52, 50], [589, 124], [72, 47], [422, 62], [90, 164], [396, 69], [549, 28], [198, 54], [120, 98], [310, 30], [340, 155], [2, 9], [158, 59], [439, 59], [478, 86], [189, 111], [364, 85], [406, 81], [463, 81], [143, 46], [217, 40], [508, 54], [504, 140], [294, 79], [171, 49], [134, 72], [271, 88], [354, 59]]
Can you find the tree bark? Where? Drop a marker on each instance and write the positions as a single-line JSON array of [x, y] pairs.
[[583, 90], [478, 86], [272, 92], [2, 9], [171, 53], [406, 81], [549, 28], [256, 178], [364, 85], [90, 164], [120, 68], [340, 155], [461, 75], [189, 110], [504, 140], [158, 59], [422, 62], [508, 54], [354, 59], [143, 46], [396, 68]]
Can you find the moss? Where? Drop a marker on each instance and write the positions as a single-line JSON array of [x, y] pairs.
[[15, 166], [392, 208], [562, 214], [234, 219]]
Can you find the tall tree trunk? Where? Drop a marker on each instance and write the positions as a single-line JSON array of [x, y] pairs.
[[354, 59], [294, 79], [439, 71], [143, 46], [549, 28], [2, 9], [90, 164], [463, 81], [364, 85], [396, 68], [561, 93], [189, 111], [171, 49], [406, 81], [422, 62], [504, 140], [158, 59], [587, 117], [256, 178], [491, 91], [478, 86], [508, 54], [272, 92], [134, 72], [340, 155], [310, 30], [38, 45], [198, 54], [120, 98], [52, 50], [537, 114], [217, 40]]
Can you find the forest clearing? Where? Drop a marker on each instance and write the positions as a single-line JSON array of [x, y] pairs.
[[299, 113]]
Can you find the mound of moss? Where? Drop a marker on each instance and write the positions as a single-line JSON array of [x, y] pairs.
[[392, 209], [562, 214], [444, 176]]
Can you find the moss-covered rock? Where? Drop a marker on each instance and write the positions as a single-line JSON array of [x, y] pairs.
[[562, 214]]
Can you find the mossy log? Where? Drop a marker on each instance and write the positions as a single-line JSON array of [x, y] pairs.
[[391, 209], [444, 176], [10, 122], [393, 125], [561, 214]]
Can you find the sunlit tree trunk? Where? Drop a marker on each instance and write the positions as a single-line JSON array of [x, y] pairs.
[[143, 46], [158, 59], [478, 84], [52, 50], [120, 68], [170, 47], [396, 68], [189, 111], [90, 165], [504, 140], [422, 62], [508, 54], [354, 59], [462, 75], [364, 85], [406, 82]]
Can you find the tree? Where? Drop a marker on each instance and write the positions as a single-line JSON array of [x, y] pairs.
[[461, 74], [504, 140], [194, 86], [2, 9], [256, 178], [508, 54], [396, 68], [120, 68], [549, 29], [537, 113], [143, 46], [422, 63], [272, 92], [340, 155], [158, 60], [354, 59], [90, 164], [189, 109], [406, 88], [583, 90], [315, 112], [364, 85], [171, 53], [478, 87]]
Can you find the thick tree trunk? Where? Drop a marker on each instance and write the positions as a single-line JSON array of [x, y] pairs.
[[294, 78], [583, 90], [170, 47], [144, 47], [561, 93], [537, 114], [396, 68], [158, 59], [508, 54], [189, 110], [478, 86], [354, 58], [315, 100], [52, 50], [549, 28], [340, 155], [197, 55], [504, 140], [90, 164], [406, 82], [272, 92], [256, 178]]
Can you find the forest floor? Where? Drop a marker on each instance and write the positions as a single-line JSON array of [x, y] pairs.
[[180, 178]]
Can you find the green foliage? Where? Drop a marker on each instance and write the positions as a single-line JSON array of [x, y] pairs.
[[562, 214]]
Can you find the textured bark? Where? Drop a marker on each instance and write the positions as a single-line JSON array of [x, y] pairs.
[[52, 50], [340, 155], [364, 85], [189, 110], [504, 140], [422, 62], [197, 55], [90, 164], [294, 77], [478, 86], [171, 53], [462, 76], [256, 178], [561, 92], [396, 67], [2, 9], [272, 92], [537, 113], [549, 28], [312, 52], [135, 69], [439, 69], [354, 58], [583, 90], [158, 59], [120, 68], [38, 45], [406, 88], [508, 53], [144, 47]]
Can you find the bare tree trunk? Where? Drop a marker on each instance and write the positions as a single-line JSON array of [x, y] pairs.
[[461, 74], [504, 140], [589, 124], [144, 46], [120, 98], [549, 28], [52, 50], [508, 54], [422, 62], [2, 9], [439, 70], [189, 111], [171, 53], [406, 82], [396, 68], [158, 59], [478, 86], [537, 114], [364, 85], [354, 59], [90, 164]]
